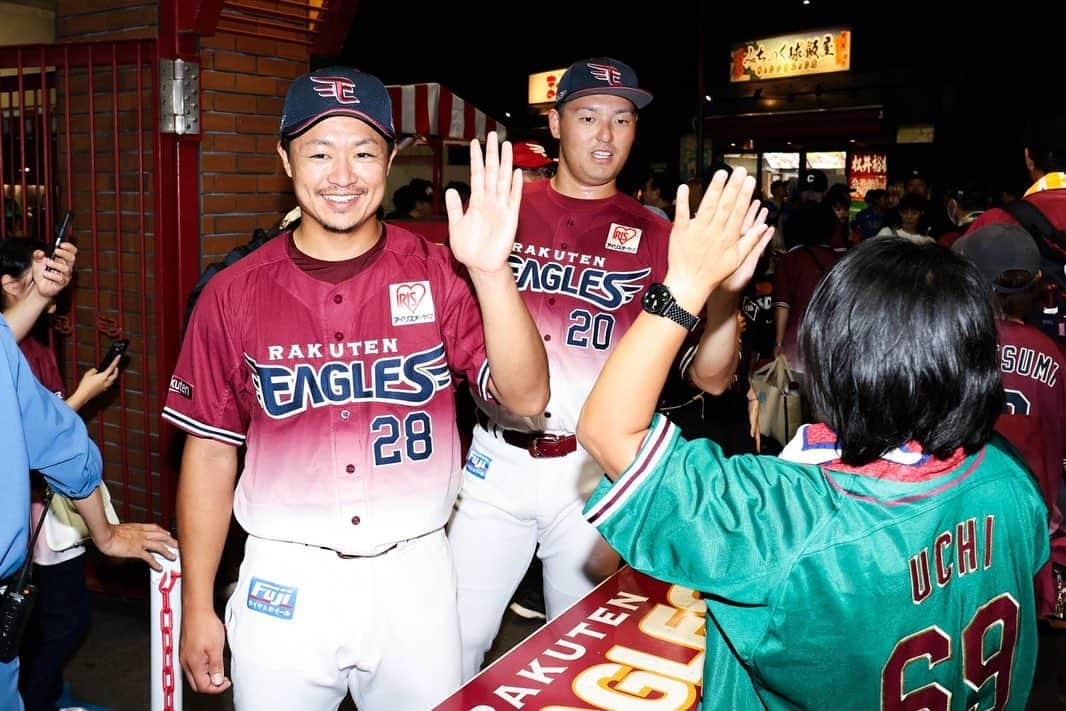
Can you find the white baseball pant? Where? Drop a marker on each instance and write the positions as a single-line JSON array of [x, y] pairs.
[[306, 627], [510, 504]]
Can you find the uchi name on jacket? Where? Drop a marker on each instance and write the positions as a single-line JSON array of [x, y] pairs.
[[958, 551]]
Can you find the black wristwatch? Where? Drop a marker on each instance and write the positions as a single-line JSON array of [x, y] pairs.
[[659, 301]]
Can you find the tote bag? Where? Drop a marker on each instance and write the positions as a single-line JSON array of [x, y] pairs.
[[780, 401]]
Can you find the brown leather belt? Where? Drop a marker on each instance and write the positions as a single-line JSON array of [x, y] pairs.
[[540, 445]]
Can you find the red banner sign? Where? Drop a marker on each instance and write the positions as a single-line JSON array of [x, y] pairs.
[[632, 643], [866, 170]]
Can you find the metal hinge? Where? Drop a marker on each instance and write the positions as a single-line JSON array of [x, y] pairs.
[[179, 87]]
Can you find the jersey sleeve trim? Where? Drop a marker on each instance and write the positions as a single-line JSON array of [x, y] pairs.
[[656, 444], [199, 429], [686, 360], [483, 377]]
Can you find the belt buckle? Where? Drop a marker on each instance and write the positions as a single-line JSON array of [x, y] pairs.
[[534, 446]]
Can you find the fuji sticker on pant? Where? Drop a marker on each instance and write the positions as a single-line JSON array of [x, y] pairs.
[[477, 463], [622, 238], [411, 302], [272, 599]]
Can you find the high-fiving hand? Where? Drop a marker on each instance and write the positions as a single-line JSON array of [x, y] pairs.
[[481, 238], [721, 243]]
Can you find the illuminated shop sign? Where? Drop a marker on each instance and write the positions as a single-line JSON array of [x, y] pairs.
[[816, 52], [542, 86]]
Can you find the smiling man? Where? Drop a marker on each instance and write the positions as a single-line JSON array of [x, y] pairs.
[[330, 352], [584, 257]]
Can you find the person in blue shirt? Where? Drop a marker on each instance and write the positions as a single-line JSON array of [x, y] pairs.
[[870, 220], [41, 432]]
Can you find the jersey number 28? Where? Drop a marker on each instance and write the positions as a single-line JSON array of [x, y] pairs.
[[981, 661], [416, 432]]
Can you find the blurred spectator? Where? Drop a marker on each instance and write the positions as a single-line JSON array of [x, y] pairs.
[[798, 272], [812, 187], [871, 219], [911, 208], [658, 194], [1031, 366], [534, 161], [778, 194], [402, 204], [965, 204], [838, 199], [1045, 161], [422, 197]]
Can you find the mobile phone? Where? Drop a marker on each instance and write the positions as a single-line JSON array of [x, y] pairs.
[[117, 348], [61, 231]]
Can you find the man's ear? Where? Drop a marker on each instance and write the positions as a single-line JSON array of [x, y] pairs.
[[392, 157], [285, 159], [1028, 161], [553, 123]]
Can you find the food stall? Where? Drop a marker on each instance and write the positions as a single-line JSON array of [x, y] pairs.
[[432, 116]]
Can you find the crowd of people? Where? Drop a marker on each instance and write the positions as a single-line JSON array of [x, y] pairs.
[[899, 551]]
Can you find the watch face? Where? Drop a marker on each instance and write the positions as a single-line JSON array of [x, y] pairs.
[[656, 299]]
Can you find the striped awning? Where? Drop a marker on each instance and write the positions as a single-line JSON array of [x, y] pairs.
[[432, 110]]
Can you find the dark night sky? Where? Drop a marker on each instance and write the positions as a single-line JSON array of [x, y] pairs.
[[983, 73]]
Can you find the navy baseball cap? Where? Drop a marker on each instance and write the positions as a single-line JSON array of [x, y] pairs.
[[336, 91], [1001, 247], [814, 180], [601, 75]]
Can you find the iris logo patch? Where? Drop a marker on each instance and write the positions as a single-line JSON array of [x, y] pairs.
[[477, 463], [622, 238], [411, 303], [272, 599]]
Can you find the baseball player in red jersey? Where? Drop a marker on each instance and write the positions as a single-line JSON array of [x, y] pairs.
[[584, 256], [330, 352]]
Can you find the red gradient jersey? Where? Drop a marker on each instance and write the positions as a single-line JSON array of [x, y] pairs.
[[1031, 367], [582, 267], [342, 392]]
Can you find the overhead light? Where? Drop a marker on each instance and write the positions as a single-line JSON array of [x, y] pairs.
[[806, 2], [25, 170], [707, 97], [507, 114], [851, 140]]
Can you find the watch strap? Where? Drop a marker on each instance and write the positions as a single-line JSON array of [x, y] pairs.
[[681, 317]]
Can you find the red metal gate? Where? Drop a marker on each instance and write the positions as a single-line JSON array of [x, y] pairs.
[[80, 131]]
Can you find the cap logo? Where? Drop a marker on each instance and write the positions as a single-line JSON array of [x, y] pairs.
[[537, 149], [605, 72], [342, 89]]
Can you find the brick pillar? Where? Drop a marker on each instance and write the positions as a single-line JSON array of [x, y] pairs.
[[243, 82]]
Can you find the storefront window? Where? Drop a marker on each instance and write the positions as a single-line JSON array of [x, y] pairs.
[[832, 163], [779, 166]]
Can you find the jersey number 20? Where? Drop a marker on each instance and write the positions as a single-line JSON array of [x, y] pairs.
[[585, 330], [981, 661]]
